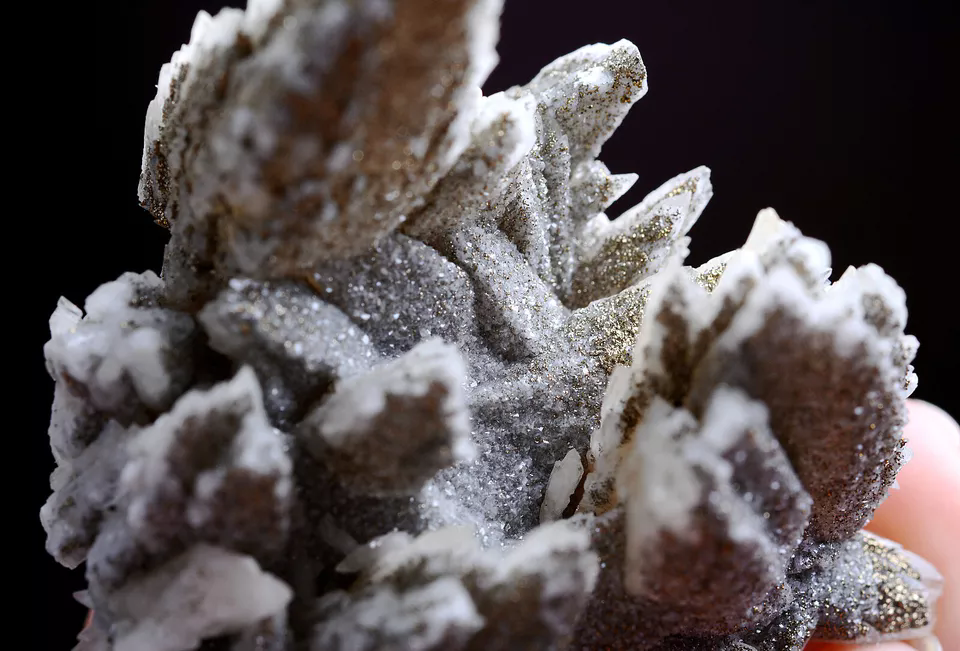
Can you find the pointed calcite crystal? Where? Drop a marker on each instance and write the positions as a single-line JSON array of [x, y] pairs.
[[403, 385]]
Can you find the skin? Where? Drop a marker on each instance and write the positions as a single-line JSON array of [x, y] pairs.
[[923, 516]]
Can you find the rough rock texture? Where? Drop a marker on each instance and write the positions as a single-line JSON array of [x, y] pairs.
[[440, 591], [403, 385]]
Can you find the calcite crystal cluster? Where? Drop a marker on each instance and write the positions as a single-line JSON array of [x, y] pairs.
[[402, 384]]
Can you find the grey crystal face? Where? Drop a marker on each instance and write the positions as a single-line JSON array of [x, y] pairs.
[[403, 385]]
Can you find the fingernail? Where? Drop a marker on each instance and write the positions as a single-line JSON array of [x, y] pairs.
[[949, 420], [930, 577], [926, 644]]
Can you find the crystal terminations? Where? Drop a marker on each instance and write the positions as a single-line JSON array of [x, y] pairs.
[[403, 385]]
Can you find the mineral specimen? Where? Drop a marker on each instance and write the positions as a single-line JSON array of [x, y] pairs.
[[402, 384]]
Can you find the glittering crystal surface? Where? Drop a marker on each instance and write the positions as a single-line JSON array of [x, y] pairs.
[[403, 385]]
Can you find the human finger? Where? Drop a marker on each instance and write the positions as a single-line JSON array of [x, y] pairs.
[[828, 646], [924, 515]]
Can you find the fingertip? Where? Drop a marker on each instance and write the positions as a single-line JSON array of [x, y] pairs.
[[928, 501], [934, 424], [830, 646], [924, 515]]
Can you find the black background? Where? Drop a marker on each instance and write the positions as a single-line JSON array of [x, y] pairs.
[[834, 113]]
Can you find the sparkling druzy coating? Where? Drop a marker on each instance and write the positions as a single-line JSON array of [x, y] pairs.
[[402, 385]]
